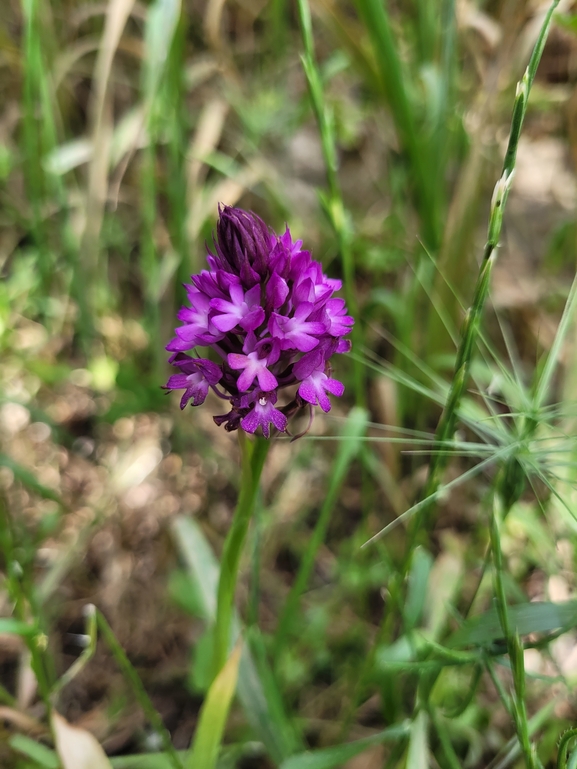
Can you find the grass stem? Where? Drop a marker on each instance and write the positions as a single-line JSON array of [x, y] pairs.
[[333, 203], [472, 323]]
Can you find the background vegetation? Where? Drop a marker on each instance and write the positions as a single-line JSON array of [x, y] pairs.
[[377, 131]]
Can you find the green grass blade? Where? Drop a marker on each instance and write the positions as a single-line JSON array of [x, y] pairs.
[[327, 758], [138, 689], [86, 655], [145, 761], [544, 383], [418, 753], [17, 627], [264, 714], [421, 566], [41, 755], [512, 749], [354, 430], [333, 203], [213, 715], [28, 479], [534, 617], [162, 761], [161, 24], [395, 79], [471, 326]]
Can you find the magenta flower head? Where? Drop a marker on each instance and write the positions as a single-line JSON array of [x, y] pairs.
[[265, 308]]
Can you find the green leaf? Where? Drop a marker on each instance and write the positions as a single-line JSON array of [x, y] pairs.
[[40, 754], [184, 592], [567, 21], [338, 754], [538, 617], [144, 761], [230, 756], [28, 479], [16, 627], [212, 720], [354, 430], [200, 668], [269, 723], [135, 682], [419, 743], [160, 28], [421, 565]]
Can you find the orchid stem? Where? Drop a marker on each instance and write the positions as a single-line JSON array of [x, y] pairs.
[[253, 457]]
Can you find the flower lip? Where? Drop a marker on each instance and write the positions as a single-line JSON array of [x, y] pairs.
[[197, 375], [263, 414]]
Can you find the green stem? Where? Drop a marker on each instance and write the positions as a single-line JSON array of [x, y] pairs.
[[20, 589], [394, 80], [91, 632], [348, 448], [514, 646], [129, 672], [472, 323], [333, 200], [564, 741], [253, 456]]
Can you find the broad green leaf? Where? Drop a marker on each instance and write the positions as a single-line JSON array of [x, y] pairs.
[[537, 617], [270, 724], [16, 627], [421, 565], [262, 700], [213, 715], [336, 755], [200, 563], [228, 759], [144, 761], [40, 754], [443, 582]]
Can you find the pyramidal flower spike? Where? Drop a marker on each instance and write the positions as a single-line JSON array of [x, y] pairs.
[[266, 310]]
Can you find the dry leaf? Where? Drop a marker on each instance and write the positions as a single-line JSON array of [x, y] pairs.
[[77, 748]]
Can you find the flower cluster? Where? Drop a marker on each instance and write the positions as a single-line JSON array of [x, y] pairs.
[[268, 312]]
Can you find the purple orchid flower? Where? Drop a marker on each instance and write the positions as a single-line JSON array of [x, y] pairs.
[[267, 310]]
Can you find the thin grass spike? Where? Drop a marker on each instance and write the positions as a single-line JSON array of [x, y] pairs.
[[471, 326]]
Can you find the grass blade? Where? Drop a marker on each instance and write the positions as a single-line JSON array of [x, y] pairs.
[[355, 428], [394, 78], [471, 326], [534, 617], [210, 730], [327, 758], [28, 479], [269, 722], [137, 686], [40, 754]]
